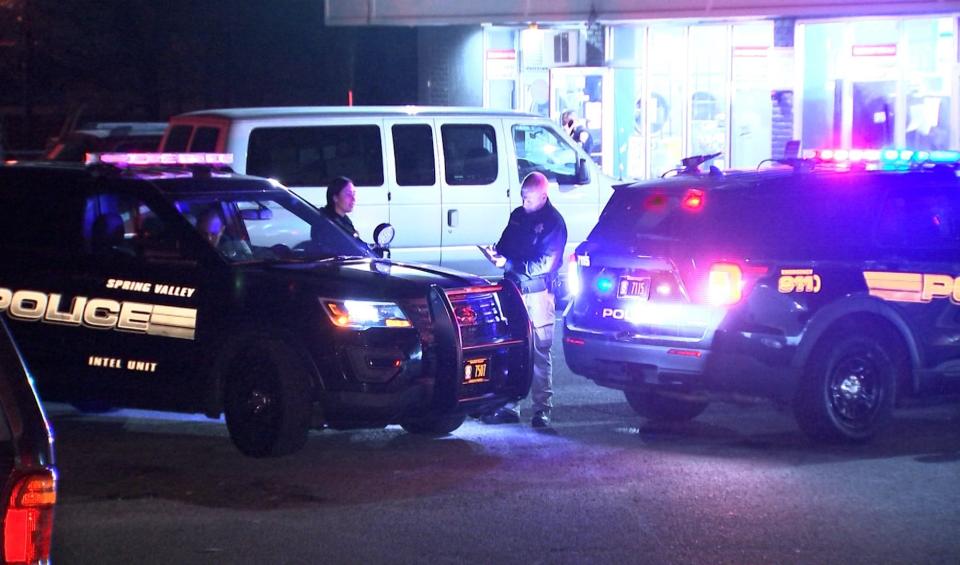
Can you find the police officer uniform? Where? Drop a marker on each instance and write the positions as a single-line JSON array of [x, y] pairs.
[[533, 244], [343, 222]]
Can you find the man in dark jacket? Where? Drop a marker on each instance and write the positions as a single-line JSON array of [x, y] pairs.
[[531, 254]]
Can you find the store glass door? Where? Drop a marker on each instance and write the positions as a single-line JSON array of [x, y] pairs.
[[582, 89]]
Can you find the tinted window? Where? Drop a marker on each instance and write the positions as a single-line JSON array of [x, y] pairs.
[[178, 139], [311, 156], [470, 153], [122, 225], [205, 140], [540, 149], [914, 219], [413, 151]]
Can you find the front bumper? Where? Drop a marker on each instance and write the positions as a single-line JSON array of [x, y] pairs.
[[363, 387]]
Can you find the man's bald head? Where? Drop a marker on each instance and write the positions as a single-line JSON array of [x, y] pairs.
[[534, 192]]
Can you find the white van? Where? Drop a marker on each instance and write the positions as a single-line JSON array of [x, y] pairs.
[[446, 178]]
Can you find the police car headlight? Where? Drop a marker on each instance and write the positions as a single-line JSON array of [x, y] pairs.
[[363, 314]]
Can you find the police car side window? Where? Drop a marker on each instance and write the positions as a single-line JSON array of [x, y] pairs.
[[914, 219], [312, 156], [541, 149], [33, 221], [413, 154], [470, 153], [121, 225]]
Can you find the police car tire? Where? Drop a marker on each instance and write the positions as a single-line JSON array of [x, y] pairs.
[[817, 415], [654, 406], [436, 425], [270, 368]]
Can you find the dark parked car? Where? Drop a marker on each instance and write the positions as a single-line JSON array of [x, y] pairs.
[[114, 137], [26, 462]]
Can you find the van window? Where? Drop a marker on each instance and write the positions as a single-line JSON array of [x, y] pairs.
[[541, 149], [470, 153], [205, 140], [178, 139], [927, 220], [413, 152], [311, 156]]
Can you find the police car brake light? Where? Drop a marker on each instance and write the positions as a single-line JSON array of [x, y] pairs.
[[153, 159], [693, 200], [724, 284]]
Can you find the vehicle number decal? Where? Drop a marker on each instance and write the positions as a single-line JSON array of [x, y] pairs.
[[798, 280]]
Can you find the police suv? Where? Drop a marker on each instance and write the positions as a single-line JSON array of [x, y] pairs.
[[178, 285], [831, 284]]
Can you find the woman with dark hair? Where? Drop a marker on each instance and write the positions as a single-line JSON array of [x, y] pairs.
[[341, 197]]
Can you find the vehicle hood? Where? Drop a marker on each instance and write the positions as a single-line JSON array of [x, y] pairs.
[[373, 278]]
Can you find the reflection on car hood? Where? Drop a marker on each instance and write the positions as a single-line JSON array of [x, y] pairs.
[[380, 277]]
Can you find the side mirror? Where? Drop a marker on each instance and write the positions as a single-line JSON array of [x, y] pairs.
[[582, 175], [261, 213], [382, 236]]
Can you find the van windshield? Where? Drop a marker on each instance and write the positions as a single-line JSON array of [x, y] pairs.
[[266, 227]]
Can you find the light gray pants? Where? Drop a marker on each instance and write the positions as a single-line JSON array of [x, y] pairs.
[[543, 315]]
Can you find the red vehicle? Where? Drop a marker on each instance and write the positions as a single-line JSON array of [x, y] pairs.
[[26, 462]]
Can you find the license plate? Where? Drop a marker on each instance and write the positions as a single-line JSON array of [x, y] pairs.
[[476, 371], [634, 287]]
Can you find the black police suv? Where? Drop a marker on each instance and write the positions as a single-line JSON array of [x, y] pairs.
[[835, 290], [184, 288], [27, 470]]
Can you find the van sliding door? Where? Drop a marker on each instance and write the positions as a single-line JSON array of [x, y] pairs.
[[414, 189]]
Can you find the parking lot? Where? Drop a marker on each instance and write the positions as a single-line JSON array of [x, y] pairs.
[[738, 485]]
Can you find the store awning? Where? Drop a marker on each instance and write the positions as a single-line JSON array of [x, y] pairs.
[[447, 12]]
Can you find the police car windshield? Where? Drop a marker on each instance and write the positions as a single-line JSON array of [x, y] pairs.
[[273, 227]]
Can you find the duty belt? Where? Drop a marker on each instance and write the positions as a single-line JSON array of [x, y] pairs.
[[536, 284]]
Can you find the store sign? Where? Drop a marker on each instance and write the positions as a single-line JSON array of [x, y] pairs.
[[501, 64], [881, 50]]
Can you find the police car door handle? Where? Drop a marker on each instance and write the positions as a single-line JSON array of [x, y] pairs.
[[453, 218]]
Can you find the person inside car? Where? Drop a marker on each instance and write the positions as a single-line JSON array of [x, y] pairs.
[[212, 227]]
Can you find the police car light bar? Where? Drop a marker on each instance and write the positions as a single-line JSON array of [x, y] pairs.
[[153, 159], [883, 158]]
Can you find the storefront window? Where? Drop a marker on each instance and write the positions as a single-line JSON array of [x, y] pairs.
[[709, 56], [627, 59], [666, 99], [751, 114], [929, 50]]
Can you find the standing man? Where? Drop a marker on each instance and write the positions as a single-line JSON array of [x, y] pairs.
[[341, 197], [531, 254]]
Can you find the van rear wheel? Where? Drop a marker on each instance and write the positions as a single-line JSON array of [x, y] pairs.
[[848, 391], [655, 406], [267, 401]]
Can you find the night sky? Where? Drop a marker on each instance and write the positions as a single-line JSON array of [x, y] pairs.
[[146, 60]]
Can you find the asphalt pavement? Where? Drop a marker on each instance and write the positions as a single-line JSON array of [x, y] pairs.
[[738, 485]]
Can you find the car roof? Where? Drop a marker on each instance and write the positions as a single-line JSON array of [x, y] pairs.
[[167, 179], [742, 178], [278, 112]]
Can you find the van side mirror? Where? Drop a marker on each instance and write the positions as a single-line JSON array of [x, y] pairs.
[[582, 175]]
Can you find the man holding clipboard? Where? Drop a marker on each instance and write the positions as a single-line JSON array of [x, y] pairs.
[[530, 252]]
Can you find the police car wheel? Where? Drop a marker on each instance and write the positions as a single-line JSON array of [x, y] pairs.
[[848, 391], [654, 406], [440, 425], [267, 401]]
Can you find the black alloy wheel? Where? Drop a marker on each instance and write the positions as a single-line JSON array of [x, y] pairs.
[[848, 391]]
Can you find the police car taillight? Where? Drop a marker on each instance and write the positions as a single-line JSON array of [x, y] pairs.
[[693, 200], [727, 282], [154, 159], [28, 520]]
